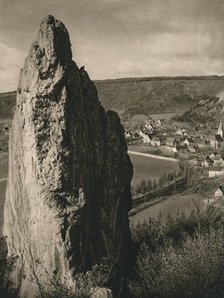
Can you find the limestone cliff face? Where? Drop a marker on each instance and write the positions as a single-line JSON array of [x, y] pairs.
[[68, 190]]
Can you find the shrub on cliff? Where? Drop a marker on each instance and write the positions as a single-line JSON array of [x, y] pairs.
[[85, 283]]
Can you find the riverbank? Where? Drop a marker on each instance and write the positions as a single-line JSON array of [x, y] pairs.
[[153, 156]]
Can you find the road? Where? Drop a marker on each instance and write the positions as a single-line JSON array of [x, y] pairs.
[[3, 155], [153, 156], [3, 179]]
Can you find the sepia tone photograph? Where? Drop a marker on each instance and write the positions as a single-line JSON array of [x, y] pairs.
[[111, 149]]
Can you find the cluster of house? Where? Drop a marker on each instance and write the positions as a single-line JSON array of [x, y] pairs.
[[150, 126], [131, 136], [179, 140], [213, 160], [178, 143]]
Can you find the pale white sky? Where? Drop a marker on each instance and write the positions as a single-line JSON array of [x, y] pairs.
[[120, 38]]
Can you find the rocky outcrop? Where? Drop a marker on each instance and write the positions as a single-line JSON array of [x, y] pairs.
[[206, 115], [68, 191]]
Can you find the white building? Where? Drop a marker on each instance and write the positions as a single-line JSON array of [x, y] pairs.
[[145, 138], [218, 193], [220, 130], [213, 174]]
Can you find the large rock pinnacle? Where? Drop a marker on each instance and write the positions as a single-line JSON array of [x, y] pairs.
[[68, 192]]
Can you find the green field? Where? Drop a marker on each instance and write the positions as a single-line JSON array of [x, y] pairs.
[[173, 206], [150, 168]]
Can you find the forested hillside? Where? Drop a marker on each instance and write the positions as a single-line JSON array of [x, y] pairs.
[[144, 95]]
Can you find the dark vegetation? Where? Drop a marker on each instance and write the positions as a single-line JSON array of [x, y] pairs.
[[85, 283], [151, 185], [183, 257]]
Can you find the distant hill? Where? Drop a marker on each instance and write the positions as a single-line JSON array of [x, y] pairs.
[[144, 96], [157, 94]]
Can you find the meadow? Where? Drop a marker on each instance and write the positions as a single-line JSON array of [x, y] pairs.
[[174, 206], [150, 168]]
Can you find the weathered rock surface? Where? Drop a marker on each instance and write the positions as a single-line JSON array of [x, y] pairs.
[[68, 191], [101, 293]]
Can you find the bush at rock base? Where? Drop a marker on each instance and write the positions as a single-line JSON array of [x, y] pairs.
[[182, 258]]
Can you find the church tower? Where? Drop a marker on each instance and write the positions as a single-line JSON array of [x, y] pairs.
[[220, 129]]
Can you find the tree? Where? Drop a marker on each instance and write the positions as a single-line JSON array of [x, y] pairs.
[[137, 189], [170, 177], [154, 184], [165, 178], [161, 182], [149, 185], [182, 166], [143, 186]]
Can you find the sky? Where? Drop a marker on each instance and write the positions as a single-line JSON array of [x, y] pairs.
[[120, 38]]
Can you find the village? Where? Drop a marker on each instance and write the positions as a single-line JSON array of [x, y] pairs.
[[200, 151]]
